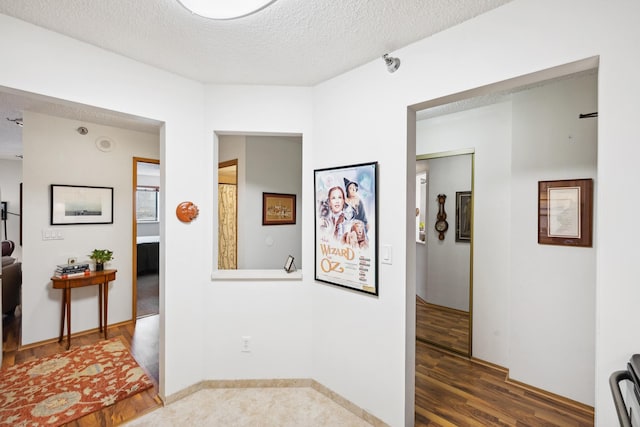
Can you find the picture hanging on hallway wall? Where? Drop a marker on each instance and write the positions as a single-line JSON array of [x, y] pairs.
[[346, 226], [565, 212], [78, 204], [463, 216], [278, 209]]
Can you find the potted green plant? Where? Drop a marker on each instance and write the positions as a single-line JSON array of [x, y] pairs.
[[100, 256]]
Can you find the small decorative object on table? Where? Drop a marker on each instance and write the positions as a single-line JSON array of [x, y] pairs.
[[100, 256], [65, 271]]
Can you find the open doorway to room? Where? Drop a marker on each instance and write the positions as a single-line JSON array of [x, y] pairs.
[[228, 215], [525, 315], [146, 233], [444, 250], [11, 237]]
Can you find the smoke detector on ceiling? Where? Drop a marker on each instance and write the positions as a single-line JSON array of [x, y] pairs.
[[105, 144]]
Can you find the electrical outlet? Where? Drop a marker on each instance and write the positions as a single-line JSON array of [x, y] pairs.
[[72, 260], [246, 345]]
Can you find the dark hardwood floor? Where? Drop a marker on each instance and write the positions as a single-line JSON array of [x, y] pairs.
[[451, 390], [148, 294], [455, 390], [442, 326]]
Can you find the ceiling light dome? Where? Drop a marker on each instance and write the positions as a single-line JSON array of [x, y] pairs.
[[224, 9]]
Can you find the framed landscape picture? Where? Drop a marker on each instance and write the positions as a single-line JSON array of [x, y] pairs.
[[78, 204], [346, 226]]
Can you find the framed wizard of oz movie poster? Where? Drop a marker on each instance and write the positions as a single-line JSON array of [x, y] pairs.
[[346, 226]]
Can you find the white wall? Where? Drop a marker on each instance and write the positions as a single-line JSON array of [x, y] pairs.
[[449, 261], [39, 61], [552, 296], [271, 164], [275, 313], [471, 55], [359, 340], [10, 179], [274, 165], [56, 154]]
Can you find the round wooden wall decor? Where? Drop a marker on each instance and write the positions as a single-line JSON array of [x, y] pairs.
[[187, 211]]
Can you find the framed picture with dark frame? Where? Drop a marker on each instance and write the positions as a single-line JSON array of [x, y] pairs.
[[278, 209], [463, 216], [80, 204], [565, 212], [346, 226]]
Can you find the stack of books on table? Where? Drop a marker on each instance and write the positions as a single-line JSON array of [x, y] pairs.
[[64, 271]]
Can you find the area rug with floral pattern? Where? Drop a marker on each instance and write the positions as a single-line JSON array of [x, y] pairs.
[[57, 389]]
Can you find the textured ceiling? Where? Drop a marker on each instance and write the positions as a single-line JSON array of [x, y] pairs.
[[13, 104], [291, 42]]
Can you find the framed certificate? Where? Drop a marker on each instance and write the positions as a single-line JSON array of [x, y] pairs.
[[565, 212]]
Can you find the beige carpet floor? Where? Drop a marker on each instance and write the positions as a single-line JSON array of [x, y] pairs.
[[264, 407]]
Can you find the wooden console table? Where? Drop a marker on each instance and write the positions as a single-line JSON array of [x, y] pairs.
[[100, 278]]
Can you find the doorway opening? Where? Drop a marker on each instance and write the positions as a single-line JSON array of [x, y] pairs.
[[146, 237], [228, 215], [444, 251], [523, 131]]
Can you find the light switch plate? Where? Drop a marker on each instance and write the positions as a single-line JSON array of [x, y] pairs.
[[386, 254]]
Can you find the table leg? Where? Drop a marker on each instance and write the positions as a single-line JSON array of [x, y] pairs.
[[68, 299], [62, 312], [106, 307], [100, 305]]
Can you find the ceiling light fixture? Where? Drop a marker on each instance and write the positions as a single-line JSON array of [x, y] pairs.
[[392, 63], [224, 9], [16, 121]]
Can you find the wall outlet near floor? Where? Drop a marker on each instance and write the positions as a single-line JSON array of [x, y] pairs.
[[246, 344]]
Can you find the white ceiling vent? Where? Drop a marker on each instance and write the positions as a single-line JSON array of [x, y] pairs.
[[105, 144]]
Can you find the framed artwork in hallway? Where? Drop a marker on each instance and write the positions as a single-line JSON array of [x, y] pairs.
[[81, 204], [278, 209], [346, 226], [565, 212], [463, 216]]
